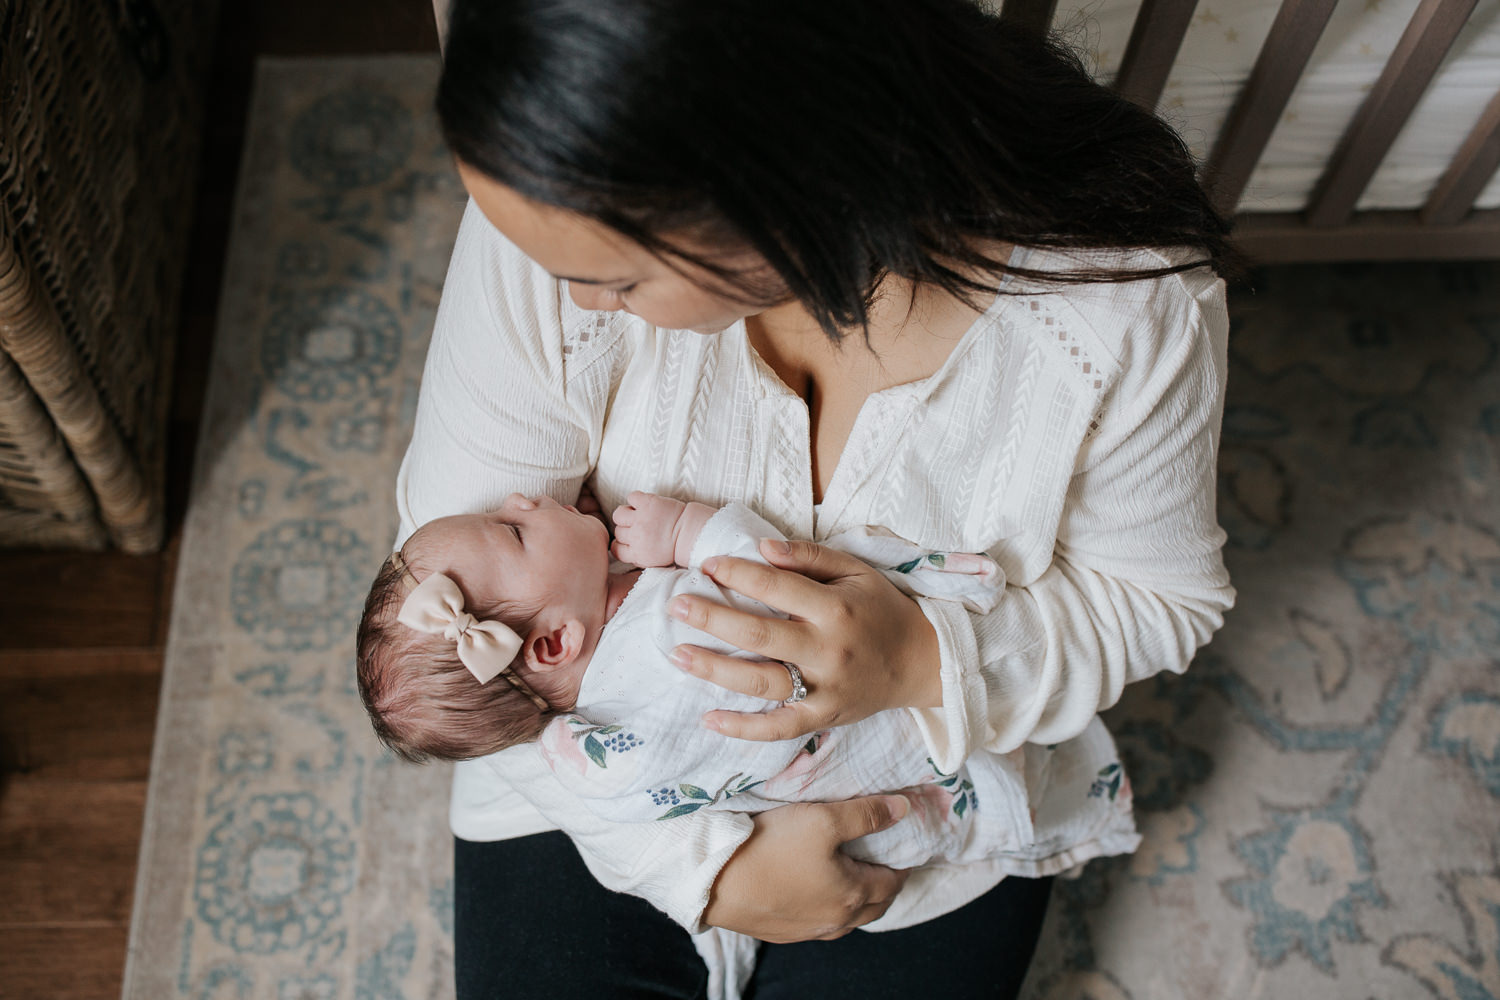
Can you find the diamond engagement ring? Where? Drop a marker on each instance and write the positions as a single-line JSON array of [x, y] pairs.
[[799, 689]]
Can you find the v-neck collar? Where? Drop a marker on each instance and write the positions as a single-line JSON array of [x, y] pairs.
[[878, 413]]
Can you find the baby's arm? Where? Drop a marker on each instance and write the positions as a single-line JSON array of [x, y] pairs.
[[653, 530]]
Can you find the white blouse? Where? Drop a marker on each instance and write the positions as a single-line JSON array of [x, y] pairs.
[[1071, 434]]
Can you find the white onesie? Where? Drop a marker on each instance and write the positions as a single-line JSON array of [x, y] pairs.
[[633, 749]]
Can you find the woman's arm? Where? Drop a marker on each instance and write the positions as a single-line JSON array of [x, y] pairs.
[[1137, 584], [496, 416]]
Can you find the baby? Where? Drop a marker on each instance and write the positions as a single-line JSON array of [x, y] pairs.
[[525, 595]]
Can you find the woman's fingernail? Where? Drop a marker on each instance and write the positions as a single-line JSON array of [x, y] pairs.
[[710, 565], [708, 722], [678, 608], [777, 546], [681, 658], [899, 806]]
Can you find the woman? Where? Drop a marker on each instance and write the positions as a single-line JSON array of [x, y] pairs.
[[883, 262]]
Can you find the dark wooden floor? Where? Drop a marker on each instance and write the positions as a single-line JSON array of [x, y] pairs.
[[81, 635]]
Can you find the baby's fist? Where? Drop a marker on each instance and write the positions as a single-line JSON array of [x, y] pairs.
[[646, 529]]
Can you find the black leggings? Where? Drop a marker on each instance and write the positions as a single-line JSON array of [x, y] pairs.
[[531, 922]]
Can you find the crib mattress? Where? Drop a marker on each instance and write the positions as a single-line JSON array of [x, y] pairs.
[[1220, 49]]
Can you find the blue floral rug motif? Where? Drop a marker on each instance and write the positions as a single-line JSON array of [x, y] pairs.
[[1320, 793]]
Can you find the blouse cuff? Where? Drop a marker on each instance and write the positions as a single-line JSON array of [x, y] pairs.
[[704, 844], [954, 728]]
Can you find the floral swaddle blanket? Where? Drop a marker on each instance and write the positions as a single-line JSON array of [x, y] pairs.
[[633, 750]]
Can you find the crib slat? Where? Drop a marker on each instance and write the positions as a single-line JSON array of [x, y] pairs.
[[1289, 45], [440, 15], [1152, 49], [1036, 14], [1379, 120], [1285, 238], [1471, 169]]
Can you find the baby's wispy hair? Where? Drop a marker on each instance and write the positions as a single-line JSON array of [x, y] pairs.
[[422, 701]]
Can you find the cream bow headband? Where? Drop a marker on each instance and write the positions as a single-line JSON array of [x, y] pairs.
[[485, 648]]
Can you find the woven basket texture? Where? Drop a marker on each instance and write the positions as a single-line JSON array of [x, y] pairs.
[[100, 107]]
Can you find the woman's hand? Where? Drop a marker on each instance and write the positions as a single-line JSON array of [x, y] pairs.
[[862, 645], [790, 882]]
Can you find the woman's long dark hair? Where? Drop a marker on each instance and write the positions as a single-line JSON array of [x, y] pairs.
[[842, 140]]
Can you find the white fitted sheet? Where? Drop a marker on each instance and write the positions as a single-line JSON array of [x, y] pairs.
[[1220, 49]]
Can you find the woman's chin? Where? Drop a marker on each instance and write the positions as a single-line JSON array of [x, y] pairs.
[[707, 327], [712, 328]]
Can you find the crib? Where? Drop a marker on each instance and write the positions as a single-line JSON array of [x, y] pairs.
[[1361, 130]]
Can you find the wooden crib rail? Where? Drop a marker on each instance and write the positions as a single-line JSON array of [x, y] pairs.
[[1370, 135], [1283, 58], [1453, 195], [1329, 227], [1160, 26]]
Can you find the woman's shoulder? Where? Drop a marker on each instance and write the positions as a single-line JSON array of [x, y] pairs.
[[1125, 324], [513, 295]]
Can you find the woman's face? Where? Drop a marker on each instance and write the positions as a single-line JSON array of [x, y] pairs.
[[605, 270]]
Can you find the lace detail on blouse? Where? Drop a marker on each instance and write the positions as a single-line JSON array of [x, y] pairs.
[[587, 333], [1072, 347]]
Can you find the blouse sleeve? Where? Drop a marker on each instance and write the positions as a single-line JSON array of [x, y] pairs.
[[1137, 581], [495, 415], [504, 408]]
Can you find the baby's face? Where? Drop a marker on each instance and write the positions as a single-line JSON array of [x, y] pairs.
[[529, 550]]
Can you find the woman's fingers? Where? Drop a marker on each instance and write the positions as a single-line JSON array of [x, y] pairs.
[[809, 559], [865, 914], [789, 722], [757, 678], [773, 638], [855, 818], [786, 590], [883, 883], [791, 882]]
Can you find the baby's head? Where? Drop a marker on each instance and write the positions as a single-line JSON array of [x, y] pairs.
[[541, 570]]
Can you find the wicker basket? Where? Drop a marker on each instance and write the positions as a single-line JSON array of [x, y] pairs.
[[100, 107]]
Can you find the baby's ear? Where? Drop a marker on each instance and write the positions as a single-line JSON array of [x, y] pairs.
[[552, 649]]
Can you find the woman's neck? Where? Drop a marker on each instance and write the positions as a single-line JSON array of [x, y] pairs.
[[912, 330]]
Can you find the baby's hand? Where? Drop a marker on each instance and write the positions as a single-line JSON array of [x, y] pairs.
[[646, 529]]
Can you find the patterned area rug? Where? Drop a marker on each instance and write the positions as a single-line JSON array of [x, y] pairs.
[[1319, 792], [285, 855]]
